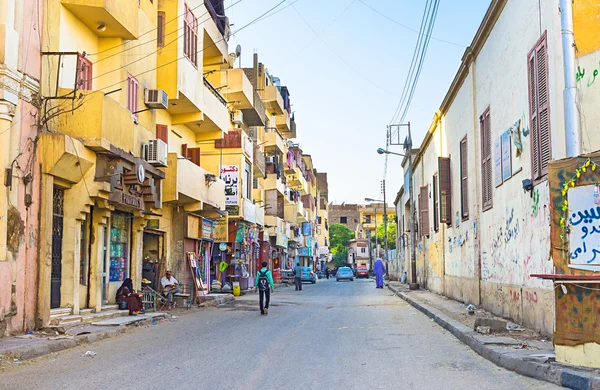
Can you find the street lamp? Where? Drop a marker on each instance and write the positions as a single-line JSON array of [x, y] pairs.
[[413, 262]]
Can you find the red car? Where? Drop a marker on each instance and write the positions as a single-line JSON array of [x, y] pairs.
[[362, 272]]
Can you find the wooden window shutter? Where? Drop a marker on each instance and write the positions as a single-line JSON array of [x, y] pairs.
[[464, 179], [194, 155], [486, 160], [539, 109], [184, 150], [160, 29], [162, 133], [436, 220], [445, 190], [424, 210]]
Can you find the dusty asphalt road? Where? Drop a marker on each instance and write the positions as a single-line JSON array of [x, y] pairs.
[[345, 335]]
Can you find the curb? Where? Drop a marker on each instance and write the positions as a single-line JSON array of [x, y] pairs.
[[548, 372]]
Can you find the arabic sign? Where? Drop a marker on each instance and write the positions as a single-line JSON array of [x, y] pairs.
[[323, 250], [220, 230], [584, 225], [506, 156], [249, 211], [207, 229], [230, 174], [307, 229], [281, 240]]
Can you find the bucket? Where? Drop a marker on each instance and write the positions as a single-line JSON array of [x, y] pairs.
[[236, 289]]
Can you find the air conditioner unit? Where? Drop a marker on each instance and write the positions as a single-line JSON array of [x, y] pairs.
[[237, 117], [156, 98], [157, 152]]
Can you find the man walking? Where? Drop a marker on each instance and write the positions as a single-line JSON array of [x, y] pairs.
[[298, 277], [264, 284], [379, 270], [327, 273]]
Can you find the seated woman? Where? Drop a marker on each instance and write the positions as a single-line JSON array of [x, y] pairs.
[[125, 294]]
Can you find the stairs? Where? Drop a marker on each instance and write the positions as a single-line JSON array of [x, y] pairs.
[[63, 317]]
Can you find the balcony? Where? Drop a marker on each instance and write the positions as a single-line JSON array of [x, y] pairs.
[[274, 183], [215, 108], [239, 89], [297, 181], [100, 122], [273, 100], [120, 17], [191, 186], [290, 213], [276, 224], [274, 141], [292, 132], [282, 122]]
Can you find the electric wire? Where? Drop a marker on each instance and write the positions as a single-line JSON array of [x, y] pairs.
[[198, 52], [330, 24]]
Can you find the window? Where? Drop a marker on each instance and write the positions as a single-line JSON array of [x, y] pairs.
[[190, 36], [132, 95], [445, 190], [84, 73], [343, 219], [162, 133], [436, 223], [362, 250], [464, 183], [367, 219], [539, 109], [247, 184], [423, 212], [160, 29], [192, 154], [320, 220], [486, 160]]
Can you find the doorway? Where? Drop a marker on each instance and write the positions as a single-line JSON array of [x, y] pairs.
[[57, 236]]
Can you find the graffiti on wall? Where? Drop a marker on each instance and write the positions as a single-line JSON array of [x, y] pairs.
[[591, 79]]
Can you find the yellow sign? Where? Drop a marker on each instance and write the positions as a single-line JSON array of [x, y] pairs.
[[220, 230]]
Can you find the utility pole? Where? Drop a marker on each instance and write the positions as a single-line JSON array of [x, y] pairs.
[[413, 237], [385, 240], [376, 242], [572, 131]]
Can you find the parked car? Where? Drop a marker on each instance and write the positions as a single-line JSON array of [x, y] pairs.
[[362, 272], [308, 275], [344, 273]]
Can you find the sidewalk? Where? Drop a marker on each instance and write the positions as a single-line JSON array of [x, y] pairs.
[[521, 350], [54, 339]]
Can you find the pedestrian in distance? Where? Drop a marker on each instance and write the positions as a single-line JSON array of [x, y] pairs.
[[327, 273], [298, 277], [264, 285], [379, 270]]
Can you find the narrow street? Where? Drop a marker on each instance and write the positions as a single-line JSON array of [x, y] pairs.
[[345, 335]]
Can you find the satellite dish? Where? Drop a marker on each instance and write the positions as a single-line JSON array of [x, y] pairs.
[[231, 59], [238, 51]]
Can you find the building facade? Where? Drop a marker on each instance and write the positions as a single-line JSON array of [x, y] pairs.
[[484, 200]]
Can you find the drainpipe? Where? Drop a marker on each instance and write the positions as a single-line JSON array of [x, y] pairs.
[[572, 131]]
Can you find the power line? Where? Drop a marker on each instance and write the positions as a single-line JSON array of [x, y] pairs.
[[410, 28], [330, 24], [198, 52], [338, 56]]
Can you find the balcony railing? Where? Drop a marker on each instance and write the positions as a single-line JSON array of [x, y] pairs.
[[259, 162], [215, 92], [213, 13]]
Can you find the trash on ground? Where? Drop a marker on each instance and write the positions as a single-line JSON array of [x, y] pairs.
[[522, 346], [154, 323], [412, 313], [61, 337], [89, 354], [514, 327], [82, 333], [483, 329], [30, 332]]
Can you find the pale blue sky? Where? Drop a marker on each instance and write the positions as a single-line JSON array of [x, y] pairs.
[[345, 91]]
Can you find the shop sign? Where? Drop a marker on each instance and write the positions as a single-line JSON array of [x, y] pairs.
[[230, 174], [126, 199], [303, 251], [220, 230], [323, 250], [194, 227], [207, 229], [309, 245], [281, 240], [233, 211], [153, 224], [141, 173], [240, 232], [222, 247], [307, 229], [249, 211]]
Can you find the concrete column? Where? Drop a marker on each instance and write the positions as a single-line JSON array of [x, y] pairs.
[[137, 255], [97, 259], [7, 111], [45, 250], [9, 38]]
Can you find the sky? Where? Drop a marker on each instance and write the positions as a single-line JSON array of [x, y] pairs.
[[345, 66]]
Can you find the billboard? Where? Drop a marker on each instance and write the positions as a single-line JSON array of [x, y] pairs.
[[230, 175]]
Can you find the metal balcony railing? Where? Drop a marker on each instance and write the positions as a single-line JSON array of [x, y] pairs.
[[215, 92]]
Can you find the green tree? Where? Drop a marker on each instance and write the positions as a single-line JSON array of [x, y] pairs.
[[391, 235], [340, 258], [339, 235]]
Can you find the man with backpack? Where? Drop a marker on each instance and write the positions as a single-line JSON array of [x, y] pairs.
[[264, 285]]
